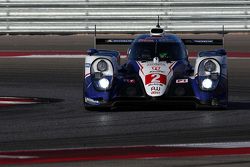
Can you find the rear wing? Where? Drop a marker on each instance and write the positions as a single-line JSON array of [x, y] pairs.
[[202, 41], [102, 41]]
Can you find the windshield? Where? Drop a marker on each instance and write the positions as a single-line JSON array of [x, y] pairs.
[[163, 50]]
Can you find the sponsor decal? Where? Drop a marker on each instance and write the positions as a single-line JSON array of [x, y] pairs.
[[204, 41], [179, 81], [166, 39], [87, 65], [155, 93], [156, 64], [91, 101], [131, 81], [119, 41], [155, 88], [156, 68], [145, 40], [156, 78]]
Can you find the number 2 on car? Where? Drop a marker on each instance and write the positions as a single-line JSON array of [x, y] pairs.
[[155, 78]]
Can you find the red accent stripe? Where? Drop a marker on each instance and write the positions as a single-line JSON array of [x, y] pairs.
[[47, 156], [171, 66], [141, 67]]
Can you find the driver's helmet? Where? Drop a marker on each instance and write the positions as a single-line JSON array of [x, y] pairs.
[[163, 55]]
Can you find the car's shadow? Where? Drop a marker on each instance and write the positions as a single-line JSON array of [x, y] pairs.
[[231, 106], [239, 106], [154, 108]]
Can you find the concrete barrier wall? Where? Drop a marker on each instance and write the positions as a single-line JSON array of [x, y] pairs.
[[122, 16]]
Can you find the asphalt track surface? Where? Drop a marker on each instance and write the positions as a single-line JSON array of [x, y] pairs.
[[67, 124]]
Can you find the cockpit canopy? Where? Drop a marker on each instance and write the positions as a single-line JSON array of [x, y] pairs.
[[165, 51]]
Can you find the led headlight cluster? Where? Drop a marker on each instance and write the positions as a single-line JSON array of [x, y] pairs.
[[209, 72], [102, 72], [103, 83], [207, 83]]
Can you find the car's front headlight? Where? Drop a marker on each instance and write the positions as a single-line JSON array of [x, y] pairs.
[[103, 83], [207, 83], [102, 72], [209, 74]]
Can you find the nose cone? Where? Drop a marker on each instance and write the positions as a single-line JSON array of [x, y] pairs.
[[154, 76]]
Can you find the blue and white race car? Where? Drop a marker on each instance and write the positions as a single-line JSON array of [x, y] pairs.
[[157, 72]]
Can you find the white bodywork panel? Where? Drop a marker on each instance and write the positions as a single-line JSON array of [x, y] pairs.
[[155, 76]]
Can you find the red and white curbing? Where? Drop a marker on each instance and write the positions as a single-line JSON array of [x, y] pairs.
[[12, 101], [126, 152]]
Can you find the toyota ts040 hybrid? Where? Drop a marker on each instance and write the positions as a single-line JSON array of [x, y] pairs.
[[157, 72]]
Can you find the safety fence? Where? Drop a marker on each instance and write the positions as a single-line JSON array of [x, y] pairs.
[[122, 16]]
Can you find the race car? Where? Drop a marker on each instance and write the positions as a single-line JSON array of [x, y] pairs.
[[156, 73]]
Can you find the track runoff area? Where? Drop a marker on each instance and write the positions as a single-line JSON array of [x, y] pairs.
[[110, 153]]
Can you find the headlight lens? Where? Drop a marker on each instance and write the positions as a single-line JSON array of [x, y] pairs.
[[210, 66], [102, 66], [209, 74], [207, 83], [103, 83], [102, 72]]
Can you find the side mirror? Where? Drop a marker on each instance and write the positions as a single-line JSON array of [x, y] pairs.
[[91, 51]]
